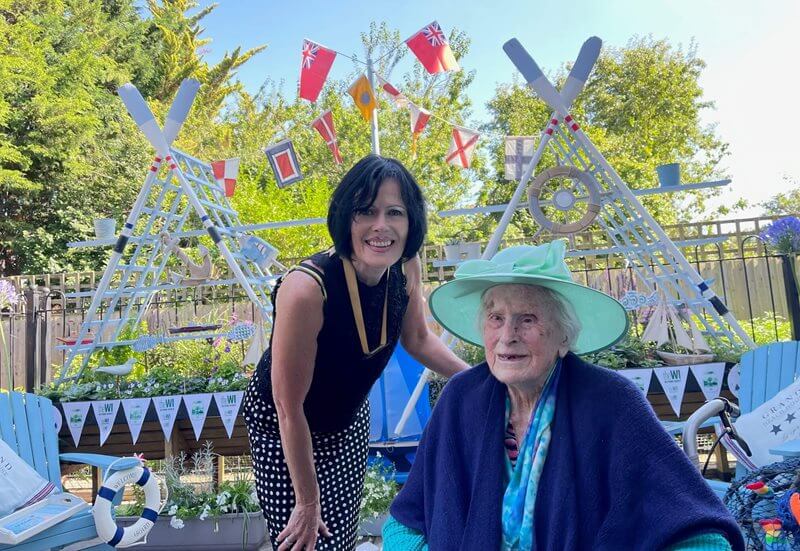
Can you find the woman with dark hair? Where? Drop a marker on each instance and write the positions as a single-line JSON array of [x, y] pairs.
[[337, 318]]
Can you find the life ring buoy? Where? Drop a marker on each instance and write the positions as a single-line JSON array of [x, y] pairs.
[[592, 206], [107, 529]]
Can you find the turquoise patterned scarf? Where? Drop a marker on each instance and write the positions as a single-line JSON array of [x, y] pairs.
[[520, 495]]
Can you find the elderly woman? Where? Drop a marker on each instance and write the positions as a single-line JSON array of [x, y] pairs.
[[537, 449], [337, 318]]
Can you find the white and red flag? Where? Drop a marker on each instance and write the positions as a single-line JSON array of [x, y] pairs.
[[324, 125], [314, 68], [284, 163], [432, 49], [225, 173], [419, 118], [462, 147], [400, 100]]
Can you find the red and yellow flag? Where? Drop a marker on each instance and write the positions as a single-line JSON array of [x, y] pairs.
[[362, 93]]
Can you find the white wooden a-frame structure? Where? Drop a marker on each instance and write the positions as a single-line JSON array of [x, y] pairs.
[[181, 198], [634, 232]]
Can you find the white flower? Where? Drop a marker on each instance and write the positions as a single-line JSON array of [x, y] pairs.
[[176, 523], [172, 510], [222, 498], [204, 513]]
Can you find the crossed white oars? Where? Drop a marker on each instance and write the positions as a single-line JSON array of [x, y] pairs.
[[545, 90], [146, 122], [176, 116], [575, 82]]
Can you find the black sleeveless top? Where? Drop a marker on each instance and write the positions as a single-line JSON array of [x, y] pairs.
[[343, 376]]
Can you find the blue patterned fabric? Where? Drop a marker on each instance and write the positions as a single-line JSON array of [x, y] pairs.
[[520, 495]]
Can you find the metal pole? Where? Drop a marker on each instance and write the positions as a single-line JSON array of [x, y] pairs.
[[376, 144]]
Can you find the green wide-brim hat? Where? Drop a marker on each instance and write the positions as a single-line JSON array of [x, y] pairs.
[[456, 304]]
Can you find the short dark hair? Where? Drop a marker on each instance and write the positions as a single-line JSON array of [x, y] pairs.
[[358, 190]]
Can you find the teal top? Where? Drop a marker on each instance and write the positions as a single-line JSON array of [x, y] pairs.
[[398, 537]]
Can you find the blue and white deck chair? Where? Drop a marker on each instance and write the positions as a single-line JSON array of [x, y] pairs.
[[27, 426], [764, 372], [388, 399]]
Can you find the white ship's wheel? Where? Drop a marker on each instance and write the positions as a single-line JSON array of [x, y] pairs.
[[563, 199]]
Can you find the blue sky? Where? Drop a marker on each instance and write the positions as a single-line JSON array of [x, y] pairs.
[[751, 53]]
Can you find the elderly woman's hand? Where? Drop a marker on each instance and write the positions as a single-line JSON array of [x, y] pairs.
[[301, 531]]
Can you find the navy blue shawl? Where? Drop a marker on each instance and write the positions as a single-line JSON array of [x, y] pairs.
[[613, 479]]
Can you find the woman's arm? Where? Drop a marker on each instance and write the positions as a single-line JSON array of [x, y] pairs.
[[416, 336], [298, 321]]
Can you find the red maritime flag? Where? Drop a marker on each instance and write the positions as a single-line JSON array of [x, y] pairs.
[[419, 118], [324, 125], [314, 69], [462, 146], [225, 173], [432, 49], [284, 163], [399, 99]]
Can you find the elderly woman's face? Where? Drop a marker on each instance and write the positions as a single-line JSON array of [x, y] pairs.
[[521, 340], [379, 232]]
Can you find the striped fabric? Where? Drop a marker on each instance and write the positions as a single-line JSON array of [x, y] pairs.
[[46, 490], [510, 441]]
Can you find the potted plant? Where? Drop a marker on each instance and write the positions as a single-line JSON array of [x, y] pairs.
[[379, 491], [224, 518], [470, 250], [452, 249], [783, 238]]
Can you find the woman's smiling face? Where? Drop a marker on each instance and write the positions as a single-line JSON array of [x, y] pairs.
[[379, 232]]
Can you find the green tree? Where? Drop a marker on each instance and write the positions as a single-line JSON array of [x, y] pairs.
[[267, 117], [69, 152], [641, 107], [784, 203]]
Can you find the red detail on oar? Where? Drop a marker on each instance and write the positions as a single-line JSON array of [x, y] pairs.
[[574, 127], [568, 118], [553, 121], [549, 131], [157, 159], [153, 168]]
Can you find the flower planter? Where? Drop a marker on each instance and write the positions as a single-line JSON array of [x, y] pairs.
[[201, 534], [471, 250], [372, 526], [105, 228], [452, 253]]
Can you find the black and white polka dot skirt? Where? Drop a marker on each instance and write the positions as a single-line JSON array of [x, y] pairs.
[[340, 460]]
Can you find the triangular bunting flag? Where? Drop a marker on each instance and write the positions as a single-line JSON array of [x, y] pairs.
[[430, 46], [462, 146], [197, 406], [75, 414], [399, 99], [324, 125], [105, 411], [362, 93], [284, 163], [228, 405], [225, 173], [519, 152], [167, 411], [673, 381], [709, 377], [639, 377], [314, 68], [135, 411]]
